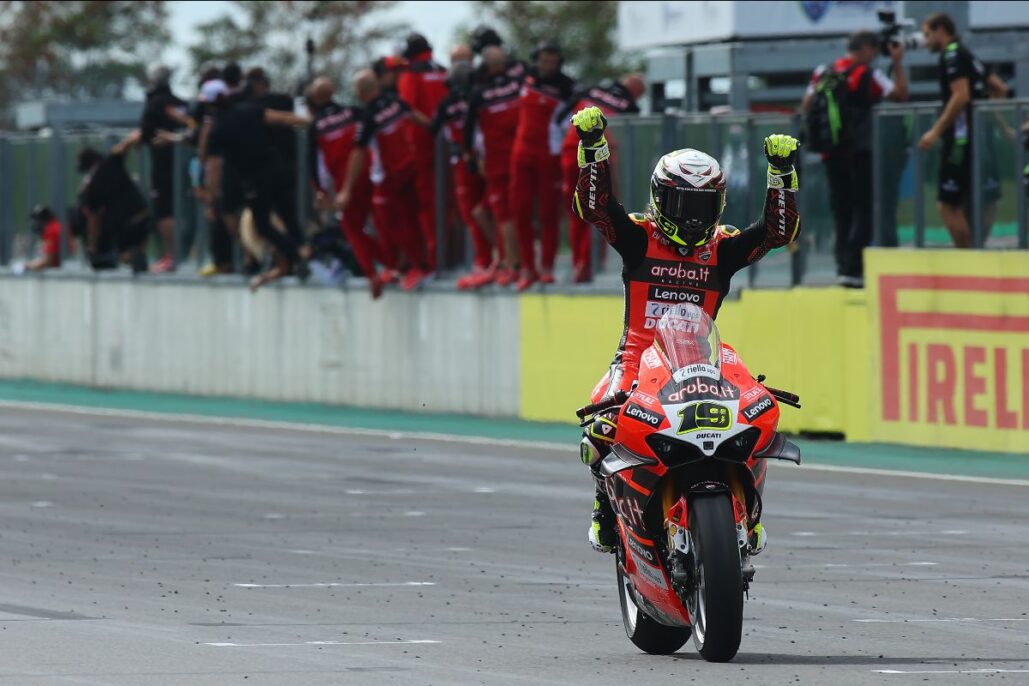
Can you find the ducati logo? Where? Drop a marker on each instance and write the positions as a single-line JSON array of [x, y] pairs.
[[705, 256], [684, 251], [606, 428]]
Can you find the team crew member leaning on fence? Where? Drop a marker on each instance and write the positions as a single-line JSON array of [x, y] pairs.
[[423, 86], [386, 134], [469, 186], [673, 252], [612, 97], [331, 141], [493, 111], [535, 171]]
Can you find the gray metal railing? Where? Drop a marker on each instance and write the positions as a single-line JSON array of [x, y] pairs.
[[906, 177], [40, 168]]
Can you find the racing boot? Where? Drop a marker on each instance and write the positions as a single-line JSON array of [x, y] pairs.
[[758, 539], [601, 534], [595, 446]]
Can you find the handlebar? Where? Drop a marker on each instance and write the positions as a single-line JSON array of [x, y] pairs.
[[617, 400], [785, 397]]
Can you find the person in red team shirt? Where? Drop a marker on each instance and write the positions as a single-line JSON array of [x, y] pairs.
[[423, 87], [612, 98], [469, 186], [386, 133], [493, 110], [535, 171], [331, 140]]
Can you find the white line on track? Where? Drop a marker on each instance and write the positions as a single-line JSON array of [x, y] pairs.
[[944, 532], [864, 565], [942, 620], [447, 438], [341, 584], [322, 643], [952, 671]]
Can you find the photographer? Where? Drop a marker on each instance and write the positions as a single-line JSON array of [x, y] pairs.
[[163, 112], [963, 78], [838, 111]]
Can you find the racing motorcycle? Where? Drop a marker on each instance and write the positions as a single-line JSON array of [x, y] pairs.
[[685, 477]]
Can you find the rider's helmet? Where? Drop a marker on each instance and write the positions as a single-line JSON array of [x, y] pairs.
[[687, 196]]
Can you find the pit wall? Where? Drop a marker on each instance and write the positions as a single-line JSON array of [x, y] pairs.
[[935, 352]]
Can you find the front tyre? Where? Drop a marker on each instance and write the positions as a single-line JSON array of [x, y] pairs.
[[715, 604], [645, 633]]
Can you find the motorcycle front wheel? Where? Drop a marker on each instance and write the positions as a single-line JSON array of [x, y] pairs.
[[715, 603], [645, 633]]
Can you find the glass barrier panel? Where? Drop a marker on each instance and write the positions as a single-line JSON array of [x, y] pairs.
[[1000, 179], [895, 179]]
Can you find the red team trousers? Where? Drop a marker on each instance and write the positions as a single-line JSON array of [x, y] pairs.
[[425, 190], [537, 176], [396, 218], [470, 190], [367, 250]]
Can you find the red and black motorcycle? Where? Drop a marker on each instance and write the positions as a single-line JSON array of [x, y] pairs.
[[685, 477]]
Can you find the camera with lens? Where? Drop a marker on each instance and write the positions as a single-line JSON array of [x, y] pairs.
[[892, 30]]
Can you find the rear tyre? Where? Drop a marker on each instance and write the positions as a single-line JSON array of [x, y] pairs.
[[645, 633], [715, 604]]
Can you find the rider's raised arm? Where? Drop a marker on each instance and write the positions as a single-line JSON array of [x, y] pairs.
[[594, 201], [779, 224]]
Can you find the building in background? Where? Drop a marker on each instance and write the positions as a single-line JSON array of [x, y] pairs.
[[759, 55]]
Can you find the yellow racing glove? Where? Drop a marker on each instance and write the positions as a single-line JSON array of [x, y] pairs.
[[781, 152], [590, 124]]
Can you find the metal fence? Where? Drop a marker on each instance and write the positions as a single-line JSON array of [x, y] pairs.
[[41, 169], [906, 177]]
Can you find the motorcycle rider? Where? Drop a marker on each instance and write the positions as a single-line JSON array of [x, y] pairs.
[[674, 252]]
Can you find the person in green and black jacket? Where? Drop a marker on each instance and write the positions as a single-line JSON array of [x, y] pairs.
[[963, 79]]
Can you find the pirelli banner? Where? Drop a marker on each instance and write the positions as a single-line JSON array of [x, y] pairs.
[[949, 348]]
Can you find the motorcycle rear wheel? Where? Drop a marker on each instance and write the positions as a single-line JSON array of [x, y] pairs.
[[715, 604], [645, 633]]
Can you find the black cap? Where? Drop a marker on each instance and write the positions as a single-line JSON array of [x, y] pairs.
[[415, 44], [483, 37]]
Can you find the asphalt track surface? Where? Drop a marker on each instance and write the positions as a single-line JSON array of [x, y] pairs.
[[139, 551]]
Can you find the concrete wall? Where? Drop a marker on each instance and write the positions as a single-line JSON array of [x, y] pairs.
[[444, 352]]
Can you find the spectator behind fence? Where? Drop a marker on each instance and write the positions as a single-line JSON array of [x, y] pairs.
[[282, 142], [535, 171], [331, 142], [386, 137], [219, 233], [613, 98], [238, 139], [838, 115], [162, 112], [47, 228], [117, 218], [493, 111], [469, 186], [963, 79], [423, 86]]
